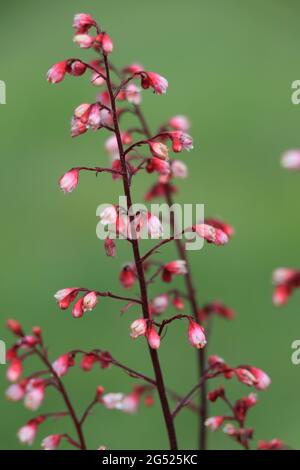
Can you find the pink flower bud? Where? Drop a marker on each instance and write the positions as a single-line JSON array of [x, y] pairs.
[[14, 370], [158, 83], [77, 68], [263, 381], [16, 392], [153, 338], [180, 123], [110, 247], [51, 442], [219, 224], [179, 169], [245, 376], [89, 301], [128, 276], [281, 294], [273, 444], [173, 268], [108, 215], [213, 395], [133, 94], [83, 21], [57, 73], [113, 401], [211, 234], [69, 181], [138, 328], [159, 150], [160, 303], [180, 141], [130, 403], [15, 327], [106, 43], [196, 335], [178, 302], [84, 41], [65, 297], [284, 275], [154, 226], [35, 394], [290, 160], [27, 433], [230, 430], [87, 362], [214, 422], [62, 364], [78, 310], [77, 127], [160, 166]]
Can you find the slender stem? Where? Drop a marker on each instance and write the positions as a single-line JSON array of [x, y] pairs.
[[66, 399], [193, 302], [140, 272], [191, 296]]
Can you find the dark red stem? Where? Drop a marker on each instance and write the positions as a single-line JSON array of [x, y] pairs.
[[140, 272]]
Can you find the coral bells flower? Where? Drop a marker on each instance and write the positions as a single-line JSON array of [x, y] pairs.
[[16, 392], [159, 150], [62, 364], [180, 141], [83, 21], [128, 276], [290, 160], [14, 371], [69, 181], [131, 402], [77, 68], [285, 280], [51, 442], [263, 381], [153, 338], [214, 422], [160, 303], [108, 215], [173, 268], [65, 297], [219, 224], [245, 376], [196, 335], [138, 328], [178, 302], [105, 42], [179, 169], [213, 395], [180, 123], [211, 234], [133, 94], [35, 394], [27, 433], [158, 83], [113, 400], [15, 327], [57, 72], [154, 226], [87, 362], [77, 310], [160, 166], [110, 247], [273, 444], [84, 41], [217, 308], [89, 301]]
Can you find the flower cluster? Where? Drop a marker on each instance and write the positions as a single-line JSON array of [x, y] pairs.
[[152, 154]]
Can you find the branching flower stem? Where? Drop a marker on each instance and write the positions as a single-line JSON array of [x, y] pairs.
[[139, 268]]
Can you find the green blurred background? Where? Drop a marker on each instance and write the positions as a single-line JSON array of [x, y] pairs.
[[230, 66]]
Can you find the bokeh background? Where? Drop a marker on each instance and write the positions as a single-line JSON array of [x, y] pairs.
[[230, 66]]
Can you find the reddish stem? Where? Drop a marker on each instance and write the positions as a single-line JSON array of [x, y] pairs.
[[140, 272], [66, 398]]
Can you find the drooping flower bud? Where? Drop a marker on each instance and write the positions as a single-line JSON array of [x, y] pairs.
[[51, 442], [180, 123], [69, 181], [159, 150], [15, 327], [133, 94], [62, 364], [14, 370], [138, 328], [89, 301], [214, 422], [196, 335], [57, 72], [77, 310], [110, 247], [153, 338], [35, 394], [84, 41], [158, 83]]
